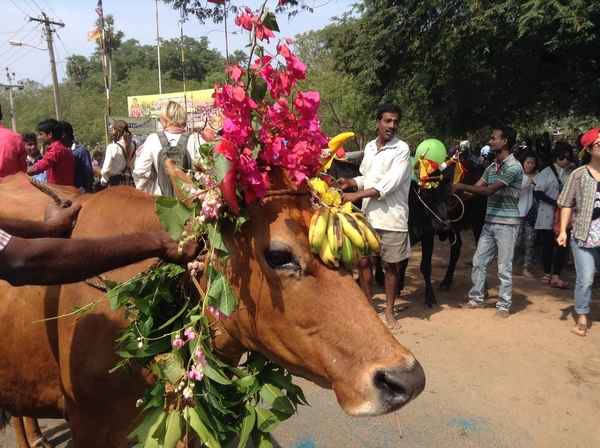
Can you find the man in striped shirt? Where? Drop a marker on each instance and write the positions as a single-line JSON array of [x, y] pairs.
[[501, 183], [58, 162]]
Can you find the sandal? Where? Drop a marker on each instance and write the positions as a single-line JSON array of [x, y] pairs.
[[579, 330], [560, 285], [545, 279]]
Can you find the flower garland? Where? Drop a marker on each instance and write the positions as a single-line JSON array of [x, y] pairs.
[[169, 331]]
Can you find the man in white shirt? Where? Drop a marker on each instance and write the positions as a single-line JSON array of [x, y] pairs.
[[384, 188]]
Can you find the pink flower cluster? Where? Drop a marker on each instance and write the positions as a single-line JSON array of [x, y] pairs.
[[190, 335], [249, 20], [290, 134], [220, 315], [197, 372]]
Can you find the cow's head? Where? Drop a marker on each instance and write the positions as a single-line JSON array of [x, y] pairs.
[[426, 203], [314, 321]]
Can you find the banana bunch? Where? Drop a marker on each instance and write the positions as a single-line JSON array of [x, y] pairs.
[[341, 235]]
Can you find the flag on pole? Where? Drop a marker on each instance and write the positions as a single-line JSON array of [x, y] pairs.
[[94, 34], [459, 172], [99, 9]]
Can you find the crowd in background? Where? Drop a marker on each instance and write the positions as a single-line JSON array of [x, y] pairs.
[[556, 184]]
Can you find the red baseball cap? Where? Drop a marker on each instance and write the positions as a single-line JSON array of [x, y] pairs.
[[590, 137]]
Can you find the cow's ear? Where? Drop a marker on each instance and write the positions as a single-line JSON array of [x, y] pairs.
[[178, 177]]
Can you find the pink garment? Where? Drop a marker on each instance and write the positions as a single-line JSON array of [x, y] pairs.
[[13, 155]]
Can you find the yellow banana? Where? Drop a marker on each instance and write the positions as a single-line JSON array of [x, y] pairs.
[[372, 235], [353, 231], [338, 141], [347, 254], [318, 228], [326, 255], [335, 234], [334, 144]]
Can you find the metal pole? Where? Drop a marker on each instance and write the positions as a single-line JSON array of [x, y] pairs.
[[183, 58], [12, 104], [158, 50]]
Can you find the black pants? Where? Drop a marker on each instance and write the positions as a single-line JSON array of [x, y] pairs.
[[553, 255]]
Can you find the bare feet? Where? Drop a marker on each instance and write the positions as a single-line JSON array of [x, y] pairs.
[[391, 321]]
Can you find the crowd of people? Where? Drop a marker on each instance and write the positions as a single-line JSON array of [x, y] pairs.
[[534, 197], [544, 195]]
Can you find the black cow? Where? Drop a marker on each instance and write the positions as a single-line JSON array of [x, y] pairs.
[[464, 213]]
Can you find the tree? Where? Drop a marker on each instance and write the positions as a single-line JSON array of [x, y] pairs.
[[462, 66], [77, 69]]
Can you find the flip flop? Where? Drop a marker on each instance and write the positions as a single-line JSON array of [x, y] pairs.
[[560, 285], [545, 280], [579, 330]]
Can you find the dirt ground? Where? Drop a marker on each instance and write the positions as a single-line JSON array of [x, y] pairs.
[[525, 381]]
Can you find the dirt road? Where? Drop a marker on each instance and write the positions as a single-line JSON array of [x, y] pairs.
[[525, 381]]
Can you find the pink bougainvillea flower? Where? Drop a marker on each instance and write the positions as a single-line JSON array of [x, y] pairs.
[[236, 72], [244, 20]]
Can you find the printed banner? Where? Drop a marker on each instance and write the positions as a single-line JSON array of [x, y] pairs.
[[199, 102], [140, 128]]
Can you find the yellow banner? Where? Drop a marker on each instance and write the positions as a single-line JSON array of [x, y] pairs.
[[199, 102]]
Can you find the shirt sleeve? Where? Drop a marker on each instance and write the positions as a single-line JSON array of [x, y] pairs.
[[144, 162], [50, 159], [22, 157], [4, 239], [87, 163], [108, 158], [398, 173], [511, 175]]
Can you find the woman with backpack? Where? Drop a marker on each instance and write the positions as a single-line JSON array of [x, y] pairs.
[[172, 142], [119, 157]]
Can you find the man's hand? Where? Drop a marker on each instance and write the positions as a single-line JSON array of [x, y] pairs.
[[345, 183], [60, 219]]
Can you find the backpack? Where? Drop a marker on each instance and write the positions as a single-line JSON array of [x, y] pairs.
[[178, 153]]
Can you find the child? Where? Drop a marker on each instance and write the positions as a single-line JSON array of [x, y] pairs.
[[526, 201], [33, 153], [58, 162]]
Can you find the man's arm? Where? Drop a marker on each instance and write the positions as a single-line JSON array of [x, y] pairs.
[[58, 221], [481, 188], [51, 261], [356, 195]]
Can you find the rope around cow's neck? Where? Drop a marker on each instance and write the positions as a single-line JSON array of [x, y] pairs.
[[287, 192], [427, 207], [462, 213]]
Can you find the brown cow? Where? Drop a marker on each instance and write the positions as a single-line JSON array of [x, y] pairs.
[[310, 319]]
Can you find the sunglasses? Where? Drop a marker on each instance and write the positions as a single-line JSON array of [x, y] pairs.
[[561, 158]]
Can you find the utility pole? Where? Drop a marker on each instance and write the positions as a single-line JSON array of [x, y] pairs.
[[47, 22], [158, 50], [10, 88]]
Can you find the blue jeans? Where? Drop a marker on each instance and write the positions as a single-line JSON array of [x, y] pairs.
[[500, 239], [585, 260]]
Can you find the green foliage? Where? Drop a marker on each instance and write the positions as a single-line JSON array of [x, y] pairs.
[[460, 67], [169, 331], [134, 70]]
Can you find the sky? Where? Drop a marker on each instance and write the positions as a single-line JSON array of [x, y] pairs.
[[136, 18]]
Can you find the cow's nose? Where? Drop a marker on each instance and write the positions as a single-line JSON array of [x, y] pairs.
[[398, 387]]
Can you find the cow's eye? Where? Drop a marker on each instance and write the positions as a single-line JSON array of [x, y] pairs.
[[278, 259]]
